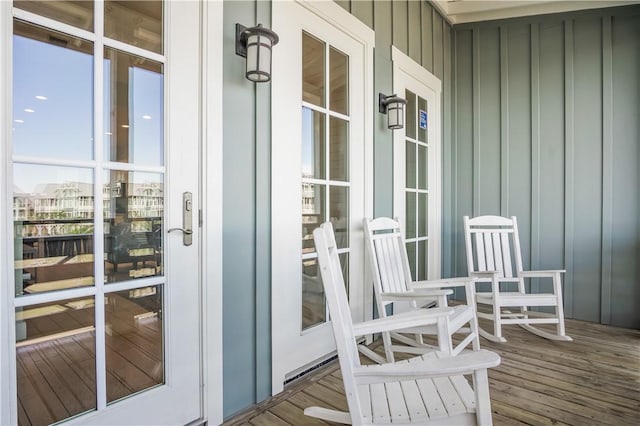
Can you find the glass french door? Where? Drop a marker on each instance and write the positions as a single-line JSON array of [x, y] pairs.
[[319, 158], [417, 158], [104, 325]]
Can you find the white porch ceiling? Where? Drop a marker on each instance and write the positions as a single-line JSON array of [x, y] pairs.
[[461, 11]]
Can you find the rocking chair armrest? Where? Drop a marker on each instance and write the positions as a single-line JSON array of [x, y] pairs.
[[400, 321], [408, 296], [484, 274], [541, 274], [444, 282], [465, 363]]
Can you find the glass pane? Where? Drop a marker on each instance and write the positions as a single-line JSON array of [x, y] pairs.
[[338, 81], [339, 214], [411, 115], [55, 360], [313, 306], [313, 79], [422, 120], [423, 167], [135, 353], [423, 259], [53, 228], [410, 164], [138, 23], [313, 144], [411, 254], [133, 109], [411, 214], [338, 149], [133, 211], [423, 215], [76, 13], [344, 262], [53, 94], [313, 202]]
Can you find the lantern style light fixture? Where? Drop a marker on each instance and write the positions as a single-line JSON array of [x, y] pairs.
[[393, 106], [255, 44]]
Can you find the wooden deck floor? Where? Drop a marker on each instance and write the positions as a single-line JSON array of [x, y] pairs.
[[594, 380]]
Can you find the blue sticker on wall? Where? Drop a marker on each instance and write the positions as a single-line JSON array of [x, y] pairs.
[[423, 119]]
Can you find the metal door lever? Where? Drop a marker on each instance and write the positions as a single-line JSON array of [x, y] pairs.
[[186, 231], [187, 219]]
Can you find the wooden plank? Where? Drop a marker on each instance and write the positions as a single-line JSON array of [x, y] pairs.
[[63, 374], [294, 415], [551, 364], [38, 395], [593, 404], [540, 403], [520, 415], [23, 419], [268, 419], [329, 396], [539, 382], [61, 386], [575, 353]]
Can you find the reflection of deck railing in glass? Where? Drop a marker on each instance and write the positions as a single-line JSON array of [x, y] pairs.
[[55, 254], [52, 237]]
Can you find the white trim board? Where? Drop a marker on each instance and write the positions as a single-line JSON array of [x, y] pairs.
[[463, 11]]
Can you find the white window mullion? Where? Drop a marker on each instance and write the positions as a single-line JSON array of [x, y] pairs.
[[128, 48], [98, 240], [42, 21], [53, 296]]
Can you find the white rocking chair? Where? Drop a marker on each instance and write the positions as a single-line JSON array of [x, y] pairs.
[[493, 245], [425, 390], [392, 282]]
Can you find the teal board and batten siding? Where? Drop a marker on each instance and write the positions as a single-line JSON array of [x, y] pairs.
[[419, 31], [416, 29], [547, 128], [246, 220]]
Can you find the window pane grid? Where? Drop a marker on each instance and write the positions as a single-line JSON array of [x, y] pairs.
[[325, 94], [78, 300]]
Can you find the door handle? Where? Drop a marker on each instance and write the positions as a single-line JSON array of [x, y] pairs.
[[187, 219], [186, 231]]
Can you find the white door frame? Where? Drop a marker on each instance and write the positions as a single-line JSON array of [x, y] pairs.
[[7, 375], [208, 113], [406, 70], [284, 324]]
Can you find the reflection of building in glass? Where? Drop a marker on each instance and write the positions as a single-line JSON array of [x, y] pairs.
[[68, 208], [309, 199]]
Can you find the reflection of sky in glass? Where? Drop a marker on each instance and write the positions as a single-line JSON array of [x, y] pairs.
[[145, 116], [308, 143], [61, 125]]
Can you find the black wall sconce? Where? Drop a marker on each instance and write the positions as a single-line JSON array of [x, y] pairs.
[[255, 44], [393, 106]]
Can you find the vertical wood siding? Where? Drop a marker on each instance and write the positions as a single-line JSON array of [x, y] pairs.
[[419, 31], [546, 128]]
